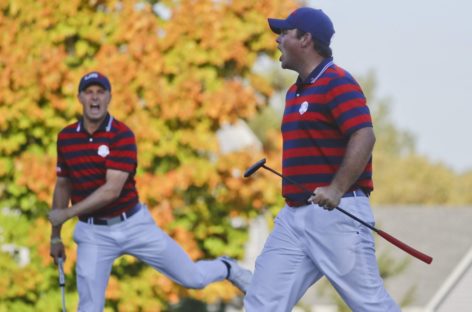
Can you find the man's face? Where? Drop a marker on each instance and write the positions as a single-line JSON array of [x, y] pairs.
[[95, 100], [289, 45]]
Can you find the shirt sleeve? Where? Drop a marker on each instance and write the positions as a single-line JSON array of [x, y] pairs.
[[123, 152], [61, 165], [348, 105]]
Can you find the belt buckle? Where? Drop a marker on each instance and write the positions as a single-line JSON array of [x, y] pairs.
[[114, 220]]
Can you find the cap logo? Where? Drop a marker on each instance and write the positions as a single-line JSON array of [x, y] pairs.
[[90, 76]]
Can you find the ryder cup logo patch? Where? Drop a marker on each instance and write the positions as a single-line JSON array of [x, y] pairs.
[[103, 151], [303, 108]]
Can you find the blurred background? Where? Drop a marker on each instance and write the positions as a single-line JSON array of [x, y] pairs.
[[200, 85]]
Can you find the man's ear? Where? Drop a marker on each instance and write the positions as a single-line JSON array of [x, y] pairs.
[[306, 40]]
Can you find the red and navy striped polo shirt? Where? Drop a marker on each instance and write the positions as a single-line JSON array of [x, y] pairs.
[[84, 158], [320, 115]]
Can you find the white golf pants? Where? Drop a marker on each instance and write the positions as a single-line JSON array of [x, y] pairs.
[[100, 245], [309, 242]]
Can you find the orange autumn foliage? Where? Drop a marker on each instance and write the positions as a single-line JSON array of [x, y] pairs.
[[177, 77]]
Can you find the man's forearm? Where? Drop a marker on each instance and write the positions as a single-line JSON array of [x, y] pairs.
[[358, 153], [60, 200], [98, 199], [56, 231], [102, 196]]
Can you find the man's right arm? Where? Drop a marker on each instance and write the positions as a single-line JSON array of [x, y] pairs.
[[61, 198]]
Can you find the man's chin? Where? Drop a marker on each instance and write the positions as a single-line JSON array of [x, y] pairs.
[[283, 63], [95, 118]]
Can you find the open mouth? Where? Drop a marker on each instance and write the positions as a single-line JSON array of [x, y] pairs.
[[281, 54], [95, 108]]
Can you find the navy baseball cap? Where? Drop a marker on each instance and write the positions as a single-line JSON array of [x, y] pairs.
[[94, 78], [313, 21]]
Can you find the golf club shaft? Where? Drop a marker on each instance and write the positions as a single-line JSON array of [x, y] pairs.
[[62, 281], [63, 299], [408, 249]]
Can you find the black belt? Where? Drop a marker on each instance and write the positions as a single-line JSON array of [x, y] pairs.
[[114, 220], [356, 193]]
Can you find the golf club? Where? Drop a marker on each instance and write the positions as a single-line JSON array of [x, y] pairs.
[[415, 253], [62, 281]]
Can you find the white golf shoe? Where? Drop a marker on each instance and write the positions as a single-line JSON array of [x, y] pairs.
[[237, 275]]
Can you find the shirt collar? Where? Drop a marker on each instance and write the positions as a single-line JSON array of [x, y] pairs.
[[104, 126], [317, 71]]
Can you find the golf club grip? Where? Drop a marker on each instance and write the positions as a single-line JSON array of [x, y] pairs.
[[60, 264], [412, 251]]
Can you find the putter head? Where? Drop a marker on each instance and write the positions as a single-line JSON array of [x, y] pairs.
[[254, 167]]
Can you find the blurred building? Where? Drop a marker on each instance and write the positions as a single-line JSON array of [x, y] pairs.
[[236, 137]]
